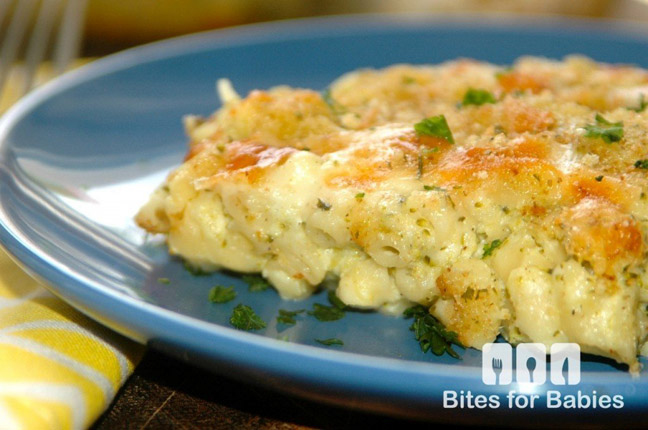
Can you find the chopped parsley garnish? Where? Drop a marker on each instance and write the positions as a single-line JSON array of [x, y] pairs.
[[642, 104], [335, 300], [435, 126], [608, 131], [491, 247], [326, 313], [330, 342], [220, 294], [477, 97], [288, 317], [165, 281], [323, 205], [256, 283], [433, 188], [430, 333], [599, 178], [359, 196], [244, 318], [195, 271], [641, 164]]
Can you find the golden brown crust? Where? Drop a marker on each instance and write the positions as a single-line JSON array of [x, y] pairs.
[[600, 233]]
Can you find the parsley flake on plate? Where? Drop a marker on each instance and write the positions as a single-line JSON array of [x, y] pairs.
[[244, 318], [288, 317], [330, 341], [256, 283], [335, 300], [477, 97], [435, 126], [326, 313], [220, 294], [608, 131], [430, 333]]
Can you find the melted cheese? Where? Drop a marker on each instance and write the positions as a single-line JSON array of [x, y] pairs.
[[299, 188]]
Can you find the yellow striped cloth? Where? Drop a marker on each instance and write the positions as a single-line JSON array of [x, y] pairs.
[[58, 368]]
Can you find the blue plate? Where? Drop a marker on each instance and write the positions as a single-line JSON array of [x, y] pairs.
[[79, 156]]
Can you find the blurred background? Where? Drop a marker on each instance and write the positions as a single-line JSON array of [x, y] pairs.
[[113, 25], [41, 38]]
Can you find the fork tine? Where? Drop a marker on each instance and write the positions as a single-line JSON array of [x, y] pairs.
[[69, 36], [15, 34], [38, 42]]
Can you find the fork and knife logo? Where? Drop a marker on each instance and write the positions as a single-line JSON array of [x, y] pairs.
[[530, 363]]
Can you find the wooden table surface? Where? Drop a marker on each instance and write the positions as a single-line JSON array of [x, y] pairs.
[[165, 393]]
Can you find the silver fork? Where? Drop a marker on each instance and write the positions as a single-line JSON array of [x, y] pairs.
[[55, 26], [497, 369]]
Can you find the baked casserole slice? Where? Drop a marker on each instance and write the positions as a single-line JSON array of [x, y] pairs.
[[508, 201]]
